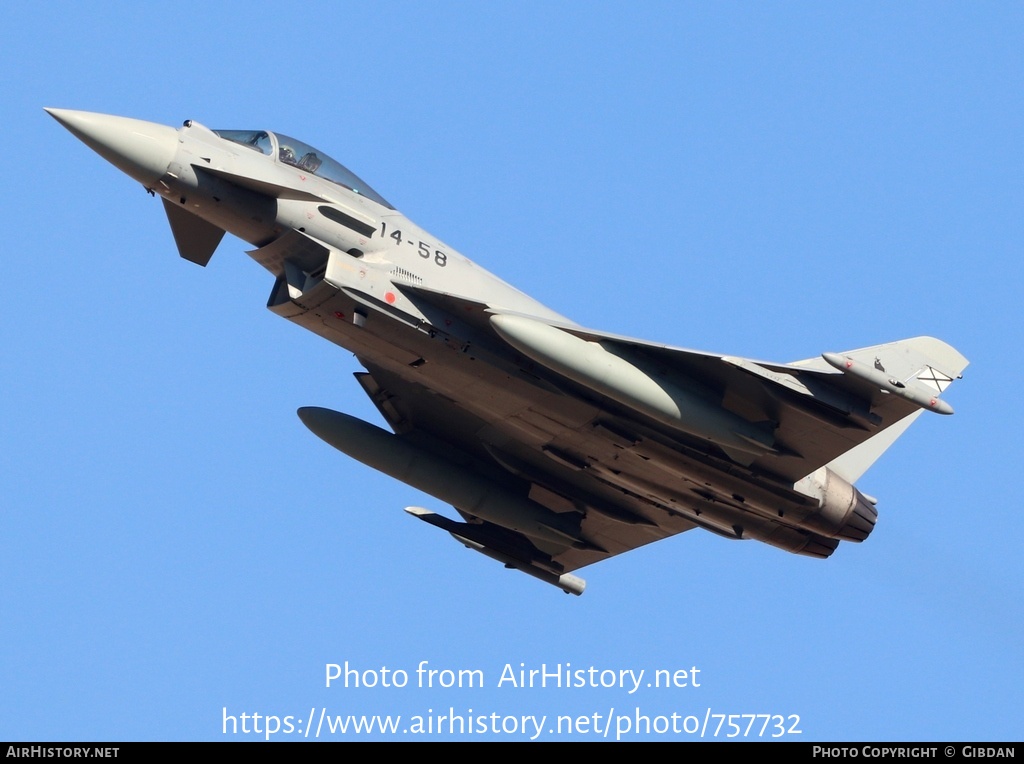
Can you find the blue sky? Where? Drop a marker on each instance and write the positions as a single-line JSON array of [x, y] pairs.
[[761, 180]]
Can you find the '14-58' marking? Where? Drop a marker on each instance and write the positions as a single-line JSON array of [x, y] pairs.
[[440, 258]]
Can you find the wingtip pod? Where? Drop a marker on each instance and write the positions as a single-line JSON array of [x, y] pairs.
[[877, 376]]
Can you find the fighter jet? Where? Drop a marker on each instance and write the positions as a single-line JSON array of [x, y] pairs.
[[558, 445]]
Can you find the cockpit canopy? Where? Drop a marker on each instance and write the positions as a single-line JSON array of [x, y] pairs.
[[304, 157]]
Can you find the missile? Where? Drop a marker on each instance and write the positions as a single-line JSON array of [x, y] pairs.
[[441, 478], [624, 381], [915, 394], [476, 538]]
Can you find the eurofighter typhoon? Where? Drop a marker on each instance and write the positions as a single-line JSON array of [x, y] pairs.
[[558, 445]]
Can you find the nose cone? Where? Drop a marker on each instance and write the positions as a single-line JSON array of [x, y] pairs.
[[141, 149]]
